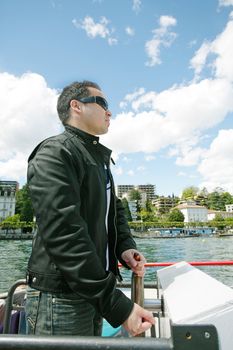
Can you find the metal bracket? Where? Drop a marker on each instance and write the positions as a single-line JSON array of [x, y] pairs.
[[193, 337]]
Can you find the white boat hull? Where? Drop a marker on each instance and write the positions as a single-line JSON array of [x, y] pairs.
[[193, 297]]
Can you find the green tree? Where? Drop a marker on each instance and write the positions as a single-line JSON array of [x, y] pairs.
[[189, 193], [227, 198], [176, 215], [11, 223], [218, 217], [229, 222], [214, 201], [218, 199], [147, 216], [24, 204], [134, 195], [218, 222], [201, 197]]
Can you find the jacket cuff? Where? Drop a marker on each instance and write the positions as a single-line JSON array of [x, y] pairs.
[[120, 311]]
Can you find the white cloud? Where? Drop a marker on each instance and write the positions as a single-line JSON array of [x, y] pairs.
[[162, 36], [137, 5], [27, 116], [166, 21], [118, 170], [225, 2], [130, 173], [131, 97], [141, 168], [216, 167], [192, 43], [96, 29], [149, 158], [126, 159], [130, 31], [190, 156], [177, 116], [219, 52], [199, 60]]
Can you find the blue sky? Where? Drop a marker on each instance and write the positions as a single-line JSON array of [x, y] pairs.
[[164, 65]]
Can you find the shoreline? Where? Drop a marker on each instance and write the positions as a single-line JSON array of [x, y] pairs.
[[164, 236], [16, 236]]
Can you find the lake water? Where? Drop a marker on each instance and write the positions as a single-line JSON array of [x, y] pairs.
[[14, 256]]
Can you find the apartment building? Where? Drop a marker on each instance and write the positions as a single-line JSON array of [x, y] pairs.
[[149, 190], [164, 204], [8, 191], [123, 190]]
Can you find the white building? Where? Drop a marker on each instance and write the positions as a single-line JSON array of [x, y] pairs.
[[229, 208], [7, 198], [133, 209], [225, 214], [193, 213]]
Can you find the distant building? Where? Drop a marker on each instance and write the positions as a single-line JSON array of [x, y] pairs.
[[193, 213], [164, 204], [224, 214], [123, 190], [133, 209], [8, 191], [229, 208], [149, 190]]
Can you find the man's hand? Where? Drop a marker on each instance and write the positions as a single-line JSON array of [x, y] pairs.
[[139, 321], [135, 261]]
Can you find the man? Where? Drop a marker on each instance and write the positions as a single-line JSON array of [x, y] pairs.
[[82, 230]]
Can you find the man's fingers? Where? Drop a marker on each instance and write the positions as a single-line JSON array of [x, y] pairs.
[[145, 326]]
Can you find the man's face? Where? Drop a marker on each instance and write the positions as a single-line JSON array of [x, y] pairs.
[[94, 118]]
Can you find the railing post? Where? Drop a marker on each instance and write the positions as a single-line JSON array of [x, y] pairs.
[[137, 293], [137, 289]]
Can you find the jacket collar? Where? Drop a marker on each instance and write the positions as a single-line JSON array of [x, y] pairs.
[[82, 134], [90, 139]]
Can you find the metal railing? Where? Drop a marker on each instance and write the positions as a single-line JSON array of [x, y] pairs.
[[185, 337], [10, 306], [190, 337]]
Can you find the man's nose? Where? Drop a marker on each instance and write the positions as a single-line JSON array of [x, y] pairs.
[[109, 113]]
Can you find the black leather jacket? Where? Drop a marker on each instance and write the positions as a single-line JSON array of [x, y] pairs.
[[67, 182]]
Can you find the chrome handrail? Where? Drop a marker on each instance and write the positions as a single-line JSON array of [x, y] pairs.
[[10, 306]]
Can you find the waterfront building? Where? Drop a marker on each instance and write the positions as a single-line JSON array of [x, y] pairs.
[[229, 208], [224, 214], [193, 213], [8, 191]]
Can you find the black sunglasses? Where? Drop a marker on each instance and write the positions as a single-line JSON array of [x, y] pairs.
[[95, 99]]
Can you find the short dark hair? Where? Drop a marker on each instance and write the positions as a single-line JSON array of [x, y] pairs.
[[71, 92]]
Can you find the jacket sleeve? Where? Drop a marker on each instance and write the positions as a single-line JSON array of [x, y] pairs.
[[55, 183]]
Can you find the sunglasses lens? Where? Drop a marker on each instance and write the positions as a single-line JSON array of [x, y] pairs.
[[102, 102], [95, 99]]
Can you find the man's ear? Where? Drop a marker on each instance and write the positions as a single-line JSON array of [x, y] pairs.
[[75, 105]]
